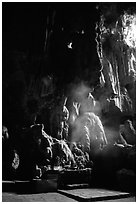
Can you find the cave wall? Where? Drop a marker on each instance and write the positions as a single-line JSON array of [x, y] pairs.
[[75, 46], [117, 52], [38, 65], [118, 57]]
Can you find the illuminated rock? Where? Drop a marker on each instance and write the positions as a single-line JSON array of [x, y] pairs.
[[118, 60]]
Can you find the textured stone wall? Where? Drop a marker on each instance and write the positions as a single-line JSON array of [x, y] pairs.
[[117, 53]]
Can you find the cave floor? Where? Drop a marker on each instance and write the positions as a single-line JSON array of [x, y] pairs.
[[69, 195], [53, 197]]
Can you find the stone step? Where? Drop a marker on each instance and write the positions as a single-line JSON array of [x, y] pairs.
[[36, 186], [33, 186], [8, 186], [92, 194]]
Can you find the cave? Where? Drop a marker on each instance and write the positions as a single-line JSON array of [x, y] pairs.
[[65, 65]]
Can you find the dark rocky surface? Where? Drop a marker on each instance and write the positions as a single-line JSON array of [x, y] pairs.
[[61, 51]]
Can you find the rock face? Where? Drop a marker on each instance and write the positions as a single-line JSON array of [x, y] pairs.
[[117, 53], [118, 58], [71, 55], [102, 58]]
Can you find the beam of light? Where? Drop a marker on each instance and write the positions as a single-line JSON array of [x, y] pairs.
[[80, 122]]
